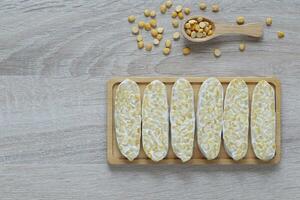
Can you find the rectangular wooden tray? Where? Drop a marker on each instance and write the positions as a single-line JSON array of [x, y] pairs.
[[114, 156]]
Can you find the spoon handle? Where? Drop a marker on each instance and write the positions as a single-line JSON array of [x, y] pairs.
[[251, 29]]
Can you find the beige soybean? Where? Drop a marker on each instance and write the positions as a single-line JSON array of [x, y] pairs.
[[156, 42], [166, 51], [147, 12], [187, 11], [174, 14], [186, 51], [147, 26], [168, 43], [217, 52], [242, 46], [153, 23], [148, 46], [269, 21], [169, 4], [160, 30], [159, 36], [153, 14], [139, 38], [140, 44], [131, 19], [154, 32], [176, 36], [163, 8], [178, 8], [135, 30], [175, 23], [280, 34], [141, 24], [202, 6], [215, 8], [240, 20], [180, 15]]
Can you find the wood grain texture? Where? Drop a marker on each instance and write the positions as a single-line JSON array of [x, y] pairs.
[[55, 59]]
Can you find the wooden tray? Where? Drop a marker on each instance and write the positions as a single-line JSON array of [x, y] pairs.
[[114, 156]]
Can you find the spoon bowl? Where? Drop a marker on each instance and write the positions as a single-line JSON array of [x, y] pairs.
[[219, 29]]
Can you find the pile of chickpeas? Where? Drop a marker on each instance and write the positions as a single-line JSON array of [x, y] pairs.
[[198, 28]]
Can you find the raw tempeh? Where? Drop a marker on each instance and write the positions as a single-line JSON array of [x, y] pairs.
[[182, 117], [128, 118], [236, 122], [210, 118], [263, 121], [155, 121]]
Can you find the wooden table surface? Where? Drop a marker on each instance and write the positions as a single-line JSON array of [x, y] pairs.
[[55, 60]]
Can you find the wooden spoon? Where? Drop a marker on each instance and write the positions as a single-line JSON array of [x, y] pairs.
[[251, 29]]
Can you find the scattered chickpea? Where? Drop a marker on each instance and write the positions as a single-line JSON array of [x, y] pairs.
[[186, 51], [148, 46], [166, 51], [160, 30], [135, 30], [242, 46], [159, 37], [187, 11], [156, 42], [269, 21], [153, 14], [139, 38], [163, 8], [240, 20], [141, 24], [280, 34], [176, 36], [215, 8], [154, 32], [178, 8], [202, 6], [147, 12], [168, 43], [140, 44], [174, 14], [180, 15], [175, 23], [153, 23], [147, 26], [131, 19], [169, 4], [217, 52]]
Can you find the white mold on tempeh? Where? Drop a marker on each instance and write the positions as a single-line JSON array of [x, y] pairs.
[[128, 118]]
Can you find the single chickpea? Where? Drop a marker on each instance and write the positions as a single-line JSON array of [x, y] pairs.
[[163, 8], [176, 36], [140, 44], [242, 46], [215, 8], [174, 14], [166, 51], [135, 30], [148, 47], [269, 21], [153, 23], [280, 34], [180, 15], [186, 51], [169, 4], [178, 8], [153, 14], [187, 11], [168, 43], [147, 12], [131, 19], [154, 32], [175, 23], [240, 20], [217, 52], [147, 26], [202, 6], [141, 24]]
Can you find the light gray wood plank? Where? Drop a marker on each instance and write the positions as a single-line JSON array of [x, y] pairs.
[[55, 59]]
